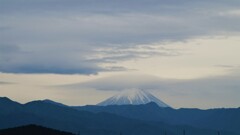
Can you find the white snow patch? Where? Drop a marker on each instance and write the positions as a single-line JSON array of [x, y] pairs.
[[133, 97]]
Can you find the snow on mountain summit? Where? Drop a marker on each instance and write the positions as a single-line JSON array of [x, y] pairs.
[[132, 97]]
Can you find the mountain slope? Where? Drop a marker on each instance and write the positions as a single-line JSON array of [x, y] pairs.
[[8, 106], [72, 120], [133, 97], [53, 102], [224, 119], [89, 123]]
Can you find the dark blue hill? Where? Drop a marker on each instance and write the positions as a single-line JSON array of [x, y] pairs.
[[32, 130], [218, 119], [129, 120]]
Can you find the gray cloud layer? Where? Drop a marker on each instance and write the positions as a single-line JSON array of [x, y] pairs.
[[77, 36]]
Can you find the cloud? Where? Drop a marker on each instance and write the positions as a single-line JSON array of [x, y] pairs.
[[233, 13], [65, 36], [121, 82], [4, 83], [213, 91], [16, 60], [227, 85], [149, 82], [8, 48]]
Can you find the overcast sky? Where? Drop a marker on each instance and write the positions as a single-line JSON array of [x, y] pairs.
[[186, 52]]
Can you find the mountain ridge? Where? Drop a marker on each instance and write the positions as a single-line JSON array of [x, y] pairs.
[[129, 119]]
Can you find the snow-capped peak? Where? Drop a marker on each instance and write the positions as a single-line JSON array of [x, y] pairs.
[[133, 97]]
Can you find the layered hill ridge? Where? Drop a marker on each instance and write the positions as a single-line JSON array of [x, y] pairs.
[[144, 119], [227, 119], [132, 97]]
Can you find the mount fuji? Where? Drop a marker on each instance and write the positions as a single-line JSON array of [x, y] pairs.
[[132, 97]]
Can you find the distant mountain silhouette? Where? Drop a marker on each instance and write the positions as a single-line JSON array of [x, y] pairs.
[[9, 106], [224, 119], [53, 102], [72, 120], [100, 122], [32, 130]]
